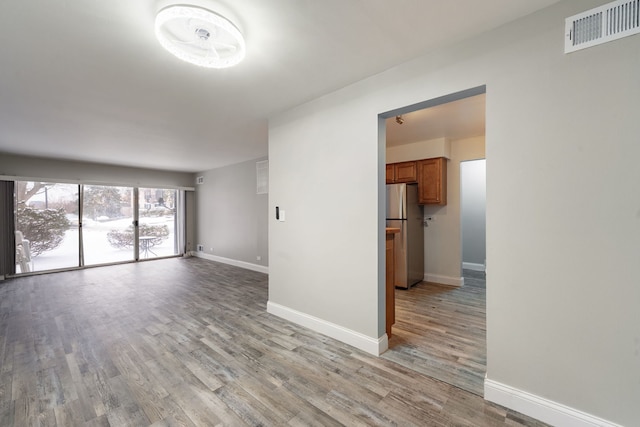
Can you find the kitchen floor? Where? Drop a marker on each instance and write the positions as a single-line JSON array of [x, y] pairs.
[[440, 331]]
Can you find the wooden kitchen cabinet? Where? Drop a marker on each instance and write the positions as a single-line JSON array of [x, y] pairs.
[[390, 309], [406, 172], [391, 174], [432, 181], [402, 172]]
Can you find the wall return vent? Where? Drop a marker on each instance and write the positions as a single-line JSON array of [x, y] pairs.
[[602, 24], [262, 177]]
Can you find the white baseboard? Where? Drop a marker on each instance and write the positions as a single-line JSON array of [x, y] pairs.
[[241, 264], [473, 266], [540, 408], [444, 280], [353, 338]]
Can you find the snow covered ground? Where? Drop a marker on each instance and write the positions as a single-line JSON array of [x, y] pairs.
[[97, 249]]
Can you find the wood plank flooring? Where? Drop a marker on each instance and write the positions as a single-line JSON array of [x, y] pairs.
[[440, 331], [188, 342]]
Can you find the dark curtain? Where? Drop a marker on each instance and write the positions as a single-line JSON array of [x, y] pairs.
[[7, 229]]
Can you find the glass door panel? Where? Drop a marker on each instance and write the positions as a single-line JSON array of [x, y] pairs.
[[157, 212], [107, 224], [47, 231]]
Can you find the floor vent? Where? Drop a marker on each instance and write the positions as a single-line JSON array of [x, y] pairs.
[[602, 24]]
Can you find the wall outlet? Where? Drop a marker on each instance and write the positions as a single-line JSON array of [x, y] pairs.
[[200, 248]]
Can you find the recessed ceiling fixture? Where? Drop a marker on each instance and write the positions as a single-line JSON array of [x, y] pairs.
[[199, 36]]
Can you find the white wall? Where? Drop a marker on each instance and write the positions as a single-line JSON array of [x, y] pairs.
[[231, 220], [440, 147], [563, 210]]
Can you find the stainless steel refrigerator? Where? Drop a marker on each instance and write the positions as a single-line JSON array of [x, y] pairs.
[[404, 212]]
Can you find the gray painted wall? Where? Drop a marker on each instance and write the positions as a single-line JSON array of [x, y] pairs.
[[473, 193], [563, 207], [90, 173], [231, 218]]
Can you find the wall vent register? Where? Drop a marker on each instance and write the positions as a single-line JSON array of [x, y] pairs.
[[602, 24], [262, 177]]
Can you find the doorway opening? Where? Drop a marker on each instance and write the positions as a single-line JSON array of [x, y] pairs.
[[473, 207], [440, 323]]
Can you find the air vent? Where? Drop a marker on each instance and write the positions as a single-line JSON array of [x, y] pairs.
[[602, 24], [200, 180], [262, 177]]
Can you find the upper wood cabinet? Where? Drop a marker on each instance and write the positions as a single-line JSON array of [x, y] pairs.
[[406, 172], [391, 174], [402, 172], [430, 174], [432, 181]]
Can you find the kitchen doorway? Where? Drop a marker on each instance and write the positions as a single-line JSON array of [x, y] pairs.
[[473, 214], [440, 328]]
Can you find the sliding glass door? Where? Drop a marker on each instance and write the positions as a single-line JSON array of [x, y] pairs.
[[158, 222], [107, 224], [47, 226], [69, 225]]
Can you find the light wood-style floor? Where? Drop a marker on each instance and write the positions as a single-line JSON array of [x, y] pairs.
[[184, 342], [440, 331]]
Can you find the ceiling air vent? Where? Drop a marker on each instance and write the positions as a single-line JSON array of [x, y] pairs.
[[602, 24]]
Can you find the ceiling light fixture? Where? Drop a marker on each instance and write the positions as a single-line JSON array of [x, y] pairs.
[[399, 120], [199, 36]]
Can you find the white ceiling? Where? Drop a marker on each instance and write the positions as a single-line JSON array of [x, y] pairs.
[[87, 80], [464, 118]]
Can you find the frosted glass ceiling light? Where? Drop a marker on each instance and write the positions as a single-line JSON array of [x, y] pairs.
[[199, 36]]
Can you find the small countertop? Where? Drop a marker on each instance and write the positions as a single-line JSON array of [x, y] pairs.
[[391, 230]]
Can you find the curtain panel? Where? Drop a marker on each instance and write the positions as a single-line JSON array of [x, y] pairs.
[[7, 229]]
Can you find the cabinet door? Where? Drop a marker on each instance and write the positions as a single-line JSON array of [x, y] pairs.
[[432, 181], [390, 309], [391, 176], [406, 172]]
